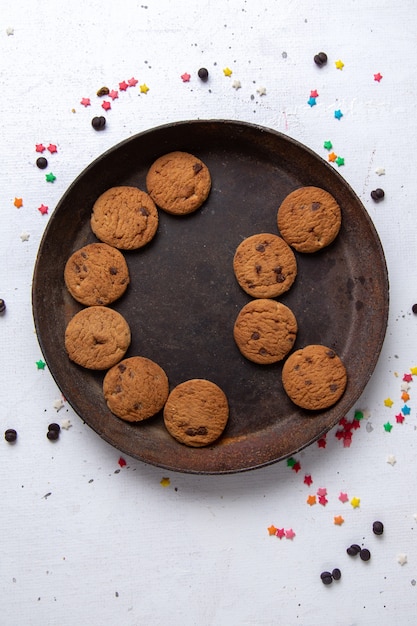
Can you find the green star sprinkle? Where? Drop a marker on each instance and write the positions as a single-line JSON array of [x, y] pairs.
[[358, 416], [340, 161], [40, 364], [291, 462], [50, 177], [387, 427], [328, 145]]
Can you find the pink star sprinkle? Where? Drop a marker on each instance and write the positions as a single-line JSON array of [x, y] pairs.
[[407, 378], [343, 497], [308, 480], [114, 94], [43, 209], [289, 534], [85, 102], [123, 86], [132, 82], [280, 533], [322, 491], [314, 93], [185, 77], [399, 418], [377, 77], [40, 147], [52, 148], [106, 105]]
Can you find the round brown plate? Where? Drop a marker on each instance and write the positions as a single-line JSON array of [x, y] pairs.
[[183, 298]]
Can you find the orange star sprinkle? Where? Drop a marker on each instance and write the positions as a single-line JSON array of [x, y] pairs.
[[311, 500], [405, 396], [272, 530], [18, 202], [332, 157], [338, 520]]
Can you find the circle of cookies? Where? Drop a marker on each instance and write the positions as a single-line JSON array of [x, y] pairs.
[[196, 412], [96, 274], [265, 331], [264, 265], [97, 337], [124, 217], [314, 377], [135, 389], [309, 219], [178, 182]]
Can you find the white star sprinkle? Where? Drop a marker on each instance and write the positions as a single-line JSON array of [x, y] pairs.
[[261, 91], [391, 459], [236, 84], [402, 558], [405, 386], [415, 516], [24, 236], [58, 404], [10, 31], [66, 424], [369, 427], [380, 171]]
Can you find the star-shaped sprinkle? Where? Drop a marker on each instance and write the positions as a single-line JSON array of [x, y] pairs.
[[358, 416], [311, 500], [144, 88], [388, 402], [405, 410], [272, 530], [402, 558], [314, 93], [291, 462], [66, 424], [122, 462], [338, 114], [52, 148], [388, 427], [327, 145], [380, 171], [50, 177], [405, 396], [355, 502], [322, 491], [40, 364], [227, 71], [280, 533], [289, 534], [18, 202], [322, 442], [40, 147], [399, 418], [43, 210], [165, 481], [9, 31], [391, 459], [407, 378], [58, 404], [308, 480], [106, 105], [338, 520], [340, 161], [378, 77], [413, 370], [24, 236], [86, 102], [405, 387], [113, 94], [123, 85], [311, 101], [323, 500], [296, 467], [132, 82], [185, 77], [236, 84], [261, 91], [343, 497], [339, 64], [332, 157]]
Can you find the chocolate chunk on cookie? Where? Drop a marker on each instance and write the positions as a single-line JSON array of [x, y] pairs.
[[124, 217], [265, 331], [97, 337], [264, 265], [314, 377], [309, 219], [135, 389], [196, 412], [96, 274], [178, 182]]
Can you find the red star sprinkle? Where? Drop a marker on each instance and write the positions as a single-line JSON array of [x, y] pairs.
[[52, 148], [40, 147], [122, 462], [185, 77], [322, 442], [314, 94], [114, 94], [377, 77], [43, 209], [106, 105], [289, 534], [132, 82], [280, 533], [323, 500], [407, 378], [85, 102], [123, 86], [308, 480], [296, 467], [399, 418]]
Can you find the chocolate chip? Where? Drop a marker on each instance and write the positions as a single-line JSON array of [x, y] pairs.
[[113, 271], [260, 247], [336, 573], [353, 550], [365, 554], [315, 206], [52, 435], [197, 167], [320, 59], [42, 163], [54, 426], [192, 432], [203, 73], [121, 367], [2, 306], [98, 123], [327, 578], [144, 211], [377, 194], [255, 336], [414, 309], [378, 528], [10, 435], [103, 91], [258, 269]]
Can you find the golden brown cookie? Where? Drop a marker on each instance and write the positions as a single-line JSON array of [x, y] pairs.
[[264, 265], [196, 412], [309, 219], [135, 389], [314, 377], [96, 274], [124, 217], [97, 337], [265, 331], [178, 182]]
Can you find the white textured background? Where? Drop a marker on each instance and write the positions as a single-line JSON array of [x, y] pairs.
[[110, 545]]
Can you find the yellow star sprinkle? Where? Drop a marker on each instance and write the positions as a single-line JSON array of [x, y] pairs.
[[388, 402], [338, 520], [227, 71], [355, 502], [165, 482], [272, 530], [144, 88], [339, 64], [18, 202], [413, 370]]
